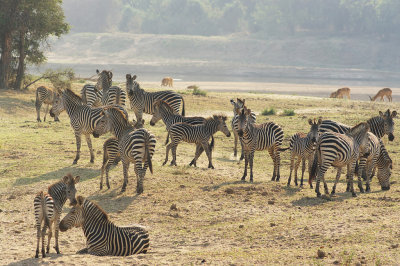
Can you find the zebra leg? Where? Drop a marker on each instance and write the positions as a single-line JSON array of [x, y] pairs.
[[296, 167], [310, 162], [167, 139], [49, 235], [47, 109], [38, 105], [339, 172], [241, 153], [291, 169], [43, 239], [278, 164], [166, 153], [139, 177], [199, 151], [174, 148], [271, 153], [350, 172], [78, 147], [89, 143], [246, 160], [38, 235], [57, 227], [236, 141], [108, 166], [251, 157], [125, 166], [208, 150], [320, 175], [303, 169]]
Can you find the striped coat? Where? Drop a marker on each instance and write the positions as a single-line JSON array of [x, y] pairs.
[[44, 95]]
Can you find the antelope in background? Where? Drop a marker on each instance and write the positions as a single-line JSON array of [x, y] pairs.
[[167, 81], [340, 93], [383, 92]]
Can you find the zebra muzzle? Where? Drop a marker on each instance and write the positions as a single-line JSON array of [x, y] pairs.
[[51, 113], [62, 227], [96, 135], [240, 133], [385, 188], [391, 137]]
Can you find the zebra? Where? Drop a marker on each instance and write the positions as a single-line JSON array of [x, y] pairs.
[[340, 150], [237, 106], [142, 101], [258, 137], [44, 95], [103, 237], [379, 125], [135, 146], [198, 134], [162, 110], [302, 146], [83, 118], [48, 209], [91, 96], [111, 156]]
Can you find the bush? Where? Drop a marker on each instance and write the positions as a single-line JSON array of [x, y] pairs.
[[197, 91], [288, 112], [270, 111]]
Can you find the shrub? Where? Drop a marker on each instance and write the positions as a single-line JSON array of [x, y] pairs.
[[288, 112], [270, 111], [197, 91]]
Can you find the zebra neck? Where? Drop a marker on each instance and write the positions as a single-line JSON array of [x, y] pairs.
[[248, 131], [376, 126], [119, 129], [58, 193], [94, 222], [167, 117], [211, 126], [309, 143]]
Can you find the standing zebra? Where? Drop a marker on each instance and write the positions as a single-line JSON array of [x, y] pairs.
[[379, 125], [162, 110], [83, 118], [142, 101], [47, 96], [267, 136], [237, 106], [48, 209], [111, 156], [302, 146], [199, 134], [135, 146], [340, 150], [103, 237]]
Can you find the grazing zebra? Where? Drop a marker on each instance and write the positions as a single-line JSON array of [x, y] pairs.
[[135, 146], [379, 125], [83, 118], [302, 146], [103, 237], [48, 209], [237, 106], [340, 150], [384, 165], [44, 95], [267, 136], [199, 134], [162, 110], [142, 101]]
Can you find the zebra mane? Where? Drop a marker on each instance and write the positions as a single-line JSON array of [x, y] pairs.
[[354, 131], [163, 103], [86, 204], [72, 95], [217, 117], [119, 112]]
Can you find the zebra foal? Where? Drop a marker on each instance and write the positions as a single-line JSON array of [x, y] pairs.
[[103, 237], [48, 207], [340, 150], [135, 146], [142, 101], [267, 136], [302, 146], [44, 95], [198, 134]]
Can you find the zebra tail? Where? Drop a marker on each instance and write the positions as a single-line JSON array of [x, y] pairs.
[[44, 210], [183, 107], [37, 99], [356, 168], [283, 149], [147, 156], [118, 95], [313, 173], [212, 143]]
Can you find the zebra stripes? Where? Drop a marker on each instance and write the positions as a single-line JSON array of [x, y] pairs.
[[44, 95], [267, 136], [198, 134], [237, 106], [103, 237], [142, 101], [111, 156], [91, 96], [135, 146], [302, 146], [340, 150], [48, 209], [83, 118]]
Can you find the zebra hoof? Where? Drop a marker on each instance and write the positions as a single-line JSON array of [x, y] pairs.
[[353, 194], [123, 189], [75, 162], [92, 160], [139, 190], [39, 120], [57, 250], [101, 186], [318, 194], [108, 186], [164, 163], [333, 192]]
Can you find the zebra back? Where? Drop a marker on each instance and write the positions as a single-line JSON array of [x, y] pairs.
[[91, 95]]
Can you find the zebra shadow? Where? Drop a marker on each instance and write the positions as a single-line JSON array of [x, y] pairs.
[[218, 186], [34, 261], [113, 201], [84, 173], [314, 201], [10, 105]]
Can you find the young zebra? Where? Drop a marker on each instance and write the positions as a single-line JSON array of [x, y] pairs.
[[340, 150], [135, 146], [379, 125], [103, 237], [267, 136], [162, 110], [199, 134], [44, 95], [302, 146], [142, 101], [83, 118], [237, 106], [48, 209]]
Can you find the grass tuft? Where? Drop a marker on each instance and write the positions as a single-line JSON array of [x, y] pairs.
[[288, 112], [197, 91], [270, 111]]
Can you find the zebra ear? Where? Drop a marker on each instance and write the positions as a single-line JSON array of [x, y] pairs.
[[65, 179], [97, 71], [80, 200], [76, 179], [394, 113], [320, 121], [310, 121], [128, 76], [381, 114], [134, 77], [110, 74]]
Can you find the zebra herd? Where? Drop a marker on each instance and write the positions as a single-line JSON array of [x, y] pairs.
[[101, 109]]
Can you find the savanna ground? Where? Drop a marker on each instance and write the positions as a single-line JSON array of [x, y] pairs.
[[218, 219]]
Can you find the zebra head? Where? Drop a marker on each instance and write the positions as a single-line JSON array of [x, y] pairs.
[[131, 84], [388, 123], [384, 173], [313, 134], [114, 118], [221, 120], [104, 80], [238, 105], [243, 120], [74, 217], [70, 189], [159, 107], [58, 105]]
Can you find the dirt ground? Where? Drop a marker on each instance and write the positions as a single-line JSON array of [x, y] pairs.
[[218, 220]]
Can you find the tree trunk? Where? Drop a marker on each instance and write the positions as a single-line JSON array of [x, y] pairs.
[[5, 59], [21, 60]]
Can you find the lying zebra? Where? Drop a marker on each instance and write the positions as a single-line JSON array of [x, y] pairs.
[[103, 237], [48, 207], [45, 95], [199, 134]]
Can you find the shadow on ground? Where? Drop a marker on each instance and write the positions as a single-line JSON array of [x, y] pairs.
[[9, 105], [34, 261]]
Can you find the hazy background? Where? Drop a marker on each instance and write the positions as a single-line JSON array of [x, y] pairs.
[[314, 41]]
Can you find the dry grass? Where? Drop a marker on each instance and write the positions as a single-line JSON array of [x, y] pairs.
[[218, 220]]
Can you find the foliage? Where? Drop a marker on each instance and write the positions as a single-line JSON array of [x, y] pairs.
[[61, 78], [197, 91], [270, 111], [288, 112]]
